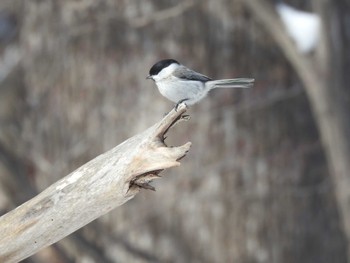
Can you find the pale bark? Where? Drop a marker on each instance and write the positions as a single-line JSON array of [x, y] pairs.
[[89, 192]]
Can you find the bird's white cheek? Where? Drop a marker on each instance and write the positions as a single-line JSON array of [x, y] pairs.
[[156, 78]]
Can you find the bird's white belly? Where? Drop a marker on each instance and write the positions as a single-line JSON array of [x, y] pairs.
[[178, 90]]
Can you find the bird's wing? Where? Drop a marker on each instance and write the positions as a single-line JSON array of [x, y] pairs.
[[184, 73]]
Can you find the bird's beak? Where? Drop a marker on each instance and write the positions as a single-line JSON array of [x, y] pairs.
[[149, 77]]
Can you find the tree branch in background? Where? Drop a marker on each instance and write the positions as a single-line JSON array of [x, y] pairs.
[[264, 12], [324, 81], [89, 192], [162, 15]]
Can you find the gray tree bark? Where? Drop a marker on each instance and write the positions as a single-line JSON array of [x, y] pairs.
[[324, 77]]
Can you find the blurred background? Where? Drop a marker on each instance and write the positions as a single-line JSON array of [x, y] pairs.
[[266, 179]]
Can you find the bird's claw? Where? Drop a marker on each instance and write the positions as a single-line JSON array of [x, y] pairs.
[[178, 103]]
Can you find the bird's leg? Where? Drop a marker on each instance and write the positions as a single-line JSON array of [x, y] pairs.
[[179, 102]]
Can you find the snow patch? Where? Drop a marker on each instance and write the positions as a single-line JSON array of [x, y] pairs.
[[303, 27]]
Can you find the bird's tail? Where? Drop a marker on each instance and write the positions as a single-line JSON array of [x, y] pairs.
[[231, 83]]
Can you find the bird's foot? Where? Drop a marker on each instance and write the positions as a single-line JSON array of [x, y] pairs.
[[178, 103]]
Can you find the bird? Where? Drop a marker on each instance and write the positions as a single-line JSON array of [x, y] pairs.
[[180, 84]]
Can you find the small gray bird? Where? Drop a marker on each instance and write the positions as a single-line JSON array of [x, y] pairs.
[[181, 84]]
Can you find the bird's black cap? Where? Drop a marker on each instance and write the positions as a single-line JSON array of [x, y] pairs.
[[156, 68]]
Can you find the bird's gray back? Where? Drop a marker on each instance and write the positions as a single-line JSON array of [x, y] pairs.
[[183, 72]]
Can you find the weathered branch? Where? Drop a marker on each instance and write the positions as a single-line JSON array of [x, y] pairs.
[[92, 190]]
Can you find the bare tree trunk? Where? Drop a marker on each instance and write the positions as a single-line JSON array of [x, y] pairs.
[[92, 190], [324, 81]]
